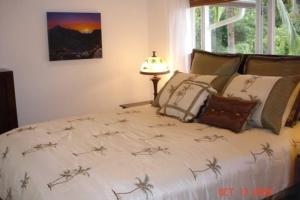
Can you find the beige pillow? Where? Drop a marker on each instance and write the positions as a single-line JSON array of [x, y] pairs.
[[274, 93], [185, 102], [276, 66], [178, 77]]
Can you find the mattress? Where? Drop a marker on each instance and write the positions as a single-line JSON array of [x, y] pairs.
[[137, 154]]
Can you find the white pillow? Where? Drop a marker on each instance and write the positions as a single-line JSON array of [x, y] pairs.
[[164, 94], [274, 93], [186, 101]]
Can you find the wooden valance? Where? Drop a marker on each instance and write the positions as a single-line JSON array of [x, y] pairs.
[[194, 3]]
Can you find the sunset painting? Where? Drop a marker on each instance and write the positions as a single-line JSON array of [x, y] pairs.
[[74, 35]]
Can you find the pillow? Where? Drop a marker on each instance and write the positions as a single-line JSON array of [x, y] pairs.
[[206, 63], [228, 113], [274, 93], [272, 65], [178, 77], [185, 102], [276, 66]]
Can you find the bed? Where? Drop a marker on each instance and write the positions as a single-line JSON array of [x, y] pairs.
[[139, 154]]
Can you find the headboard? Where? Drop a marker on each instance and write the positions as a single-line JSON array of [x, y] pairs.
[[256, 64], [246, 58]]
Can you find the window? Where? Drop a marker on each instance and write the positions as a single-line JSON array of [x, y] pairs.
[[231, 29], [287, 28], [249, 26]]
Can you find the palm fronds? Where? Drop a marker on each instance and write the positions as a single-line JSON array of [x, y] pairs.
[[25, 181], [266, 148], [293, 42], [4, 154], [68, 175], [211, 165], [151, 150], [39, 147], [142, 185], [94, 149]]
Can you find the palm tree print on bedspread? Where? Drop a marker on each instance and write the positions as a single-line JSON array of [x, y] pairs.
[[23, 129], [129, 112], [181, 93], [121, 121], [94, 149], [82, 119], [4, 154], [266, 149], [67, 128], [9, 195], [202, 129], [3, 157], [149, 151], [153, 137], [212, 138], [162, 125], [141, 185], [249, 83], [25, 181], [211, 165], [108, 133], [39, 147], [68, 175]]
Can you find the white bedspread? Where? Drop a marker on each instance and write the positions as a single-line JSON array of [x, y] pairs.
[[136, 154]]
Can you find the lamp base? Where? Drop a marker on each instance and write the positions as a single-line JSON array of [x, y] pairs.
[[155, 80]]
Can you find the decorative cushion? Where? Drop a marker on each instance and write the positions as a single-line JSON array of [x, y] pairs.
[[185, 102], [272, 65], [274, 93], [178, 77], [276, 66], [206, 63], [228, 113]]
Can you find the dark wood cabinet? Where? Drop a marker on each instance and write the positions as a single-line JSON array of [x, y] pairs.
[[8, 110], [298, 176]]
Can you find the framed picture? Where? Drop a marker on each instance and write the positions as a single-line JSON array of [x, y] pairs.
[[74, 35]]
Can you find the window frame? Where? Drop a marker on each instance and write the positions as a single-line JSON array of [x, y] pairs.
[[206, 37]]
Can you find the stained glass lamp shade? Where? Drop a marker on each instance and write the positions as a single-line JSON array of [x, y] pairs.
[[155, 66]]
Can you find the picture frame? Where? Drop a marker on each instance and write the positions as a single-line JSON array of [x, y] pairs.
[[73, 35]]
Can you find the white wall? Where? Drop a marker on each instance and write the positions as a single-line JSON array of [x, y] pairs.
[[159, 32], [47, 90], [159, 27]]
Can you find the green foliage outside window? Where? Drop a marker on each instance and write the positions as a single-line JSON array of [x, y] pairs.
[[287, 29]]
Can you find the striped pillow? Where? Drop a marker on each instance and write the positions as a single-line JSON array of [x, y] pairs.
[[178, 77], [185, 102], [276, 95]]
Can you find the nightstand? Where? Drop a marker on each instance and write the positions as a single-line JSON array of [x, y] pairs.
[[129, 105], [8, 110]]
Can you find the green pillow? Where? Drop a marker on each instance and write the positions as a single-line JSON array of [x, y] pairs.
[[206, 63], [272, 65]]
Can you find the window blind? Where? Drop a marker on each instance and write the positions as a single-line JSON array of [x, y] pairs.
[[194, 3]]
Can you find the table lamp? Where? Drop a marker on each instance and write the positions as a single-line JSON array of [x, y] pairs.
[[154, 66]]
